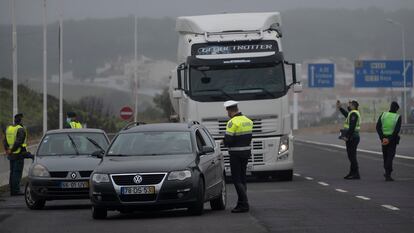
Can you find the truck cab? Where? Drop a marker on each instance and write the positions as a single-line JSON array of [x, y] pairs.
[[238, 57]]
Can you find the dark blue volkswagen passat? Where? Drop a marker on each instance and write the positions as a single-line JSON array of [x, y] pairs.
[[159, 166], [63, 164]]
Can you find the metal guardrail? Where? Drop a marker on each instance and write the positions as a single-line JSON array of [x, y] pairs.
[[407, 129]]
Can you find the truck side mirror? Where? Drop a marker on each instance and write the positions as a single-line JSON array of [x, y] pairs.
[[181, 73], [297, 86]]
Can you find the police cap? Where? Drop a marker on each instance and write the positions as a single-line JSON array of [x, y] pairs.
[[230, 103]]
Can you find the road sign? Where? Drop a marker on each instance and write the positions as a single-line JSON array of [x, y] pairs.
[[383, 73], [321, 75], [126, 113]]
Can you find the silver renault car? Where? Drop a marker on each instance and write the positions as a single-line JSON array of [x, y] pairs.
[[63, 164]]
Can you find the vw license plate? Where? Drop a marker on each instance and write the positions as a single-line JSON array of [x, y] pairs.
[[74, 185], [138, 190]]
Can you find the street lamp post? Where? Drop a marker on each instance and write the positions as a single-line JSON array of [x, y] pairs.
[[404, 66]]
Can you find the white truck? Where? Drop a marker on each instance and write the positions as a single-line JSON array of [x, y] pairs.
[[238, 57]]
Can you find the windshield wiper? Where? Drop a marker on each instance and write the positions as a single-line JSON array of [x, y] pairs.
[[217, 90], [95, 144], [250, 90], [73, 144]]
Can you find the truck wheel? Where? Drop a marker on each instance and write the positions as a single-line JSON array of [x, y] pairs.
[[99, 212], [219, 203], [198, 207], [32, 202]]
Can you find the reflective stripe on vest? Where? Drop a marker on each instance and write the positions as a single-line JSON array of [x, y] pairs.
[[358, 124], [240, 148], [388, 122], [11, 134], [75, 125]]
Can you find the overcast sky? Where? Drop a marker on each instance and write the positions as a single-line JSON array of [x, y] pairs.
[[30, 11]]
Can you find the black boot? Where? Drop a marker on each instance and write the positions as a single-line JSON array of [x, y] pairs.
[[388, 177]]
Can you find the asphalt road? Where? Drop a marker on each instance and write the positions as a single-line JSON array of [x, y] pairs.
[[318, 200]]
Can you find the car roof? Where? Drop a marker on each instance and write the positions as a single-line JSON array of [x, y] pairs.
[[160, 127], [83, 130]]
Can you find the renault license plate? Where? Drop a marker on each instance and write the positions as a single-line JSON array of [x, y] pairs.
[[74, 185], [138, 190]]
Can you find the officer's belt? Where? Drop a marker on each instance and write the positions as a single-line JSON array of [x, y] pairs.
[[240, 148]]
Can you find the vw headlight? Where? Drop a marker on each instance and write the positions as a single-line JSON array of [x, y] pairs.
[[100, 178], [284, 144], [179, 175], [40, 171]]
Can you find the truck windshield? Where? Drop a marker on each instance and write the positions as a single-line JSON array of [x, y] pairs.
[[237, 82]]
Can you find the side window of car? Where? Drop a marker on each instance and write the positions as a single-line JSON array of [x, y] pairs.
[[200, 140], [206, 138], [210, 138]]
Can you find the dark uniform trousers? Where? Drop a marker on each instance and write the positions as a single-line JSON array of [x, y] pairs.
[[16, 171], [388, 153], [238, 165], [351, 149]]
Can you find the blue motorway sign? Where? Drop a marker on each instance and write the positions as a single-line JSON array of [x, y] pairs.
[[321, 75], [383, 73]]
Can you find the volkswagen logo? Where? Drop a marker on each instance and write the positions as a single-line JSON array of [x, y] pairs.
[[73, 175], [137, 179]]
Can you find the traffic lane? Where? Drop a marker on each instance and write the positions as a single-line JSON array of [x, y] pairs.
[[298, 206], [330, 165], [305, 206], [75, 216]]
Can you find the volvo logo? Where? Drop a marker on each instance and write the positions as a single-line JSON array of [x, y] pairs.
[[137, 179], [73, 175]]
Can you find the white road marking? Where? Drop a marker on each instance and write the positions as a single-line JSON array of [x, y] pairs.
[[309, 178], [341, 190], [359, 150], [363, 198], [296, 174], [323, 183], [390, 207]]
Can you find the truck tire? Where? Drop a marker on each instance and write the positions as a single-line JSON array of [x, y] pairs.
[[32, 201]]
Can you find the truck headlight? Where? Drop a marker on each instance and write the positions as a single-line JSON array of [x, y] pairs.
[[40, 171], [284, 144], [100, 178], [179, 175]]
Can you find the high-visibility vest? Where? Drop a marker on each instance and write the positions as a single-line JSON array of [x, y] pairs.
[[388, 122], [75, 125], [358, 124], [240, 127], [11, 134]]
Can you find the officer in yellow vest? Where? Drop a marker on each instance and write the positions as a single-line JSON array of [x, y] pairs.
[[15, 144], [352, 126], [72, 122], [237, 139], [388, 128]]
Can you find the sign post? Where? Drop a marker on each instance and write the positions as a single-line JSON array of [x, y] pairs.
[[126, 113]]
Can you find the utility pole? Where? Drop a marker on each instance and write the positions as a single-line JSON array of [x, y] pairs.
[[61, 67], [14, 58], [44, 69], [135, 68]]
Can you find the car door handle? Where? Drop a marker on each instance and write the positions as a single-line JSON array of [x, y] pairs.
[[213, 162]]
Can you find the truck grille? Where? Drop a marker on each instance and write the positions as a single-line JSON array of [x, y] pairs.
[[217, 127]]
